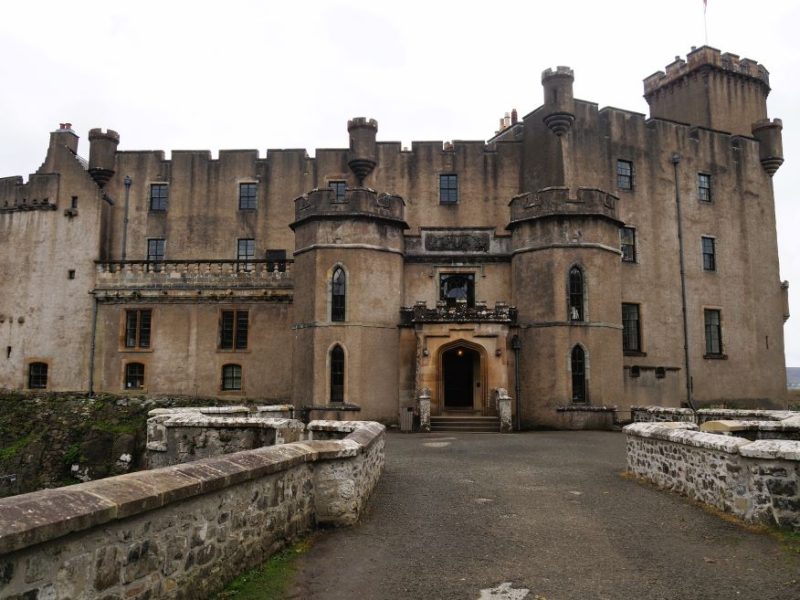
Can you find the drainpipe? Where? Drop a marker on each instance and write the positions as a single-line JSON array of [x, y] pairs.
[[676, 159], [128, 181], [93, 346], [516, 346]]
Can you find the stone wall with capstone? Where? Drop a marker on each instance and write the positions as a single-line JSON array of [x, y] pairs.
[[757, 481], [183, 531]]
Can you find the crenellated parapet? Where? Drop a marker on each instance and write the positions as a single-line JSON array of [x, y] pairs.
[[705, 56], [556, 201], [356, 203]]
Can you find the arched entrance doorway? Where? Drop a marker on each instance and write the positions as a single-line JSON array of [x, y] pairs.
[[461, 379]]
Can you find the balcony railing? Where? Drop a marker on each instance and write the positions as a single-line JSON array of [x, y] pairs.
[[195, 272], [458, 313]]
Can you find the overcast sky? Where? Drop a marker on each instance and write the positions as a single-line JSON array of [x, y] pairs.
[[237, 74]]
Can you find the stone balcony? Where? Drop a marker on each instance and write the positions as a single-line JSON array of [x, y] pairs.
[[213, 275], [458, 313]]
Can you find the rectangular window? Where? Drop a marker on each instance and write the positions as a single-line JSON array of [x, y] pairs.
[[37, 376], [134, 376], [339, 189], [245, 254], [448, 189], [713, 325], [628, 243], [233, 325], [276, 261], [247, 196], [457, 288], [631, 332], [155, 253], [232, 378], [624, 174], [159, 196], [704, 187], [709, 254], [137, 328]]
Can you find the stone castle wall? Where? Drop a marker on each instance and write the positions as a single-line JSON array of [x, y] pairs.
[[184, 531]]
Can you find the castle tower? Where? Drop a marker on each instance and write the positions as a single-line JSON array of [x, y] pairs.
[[565, 256], [102, 154], [363, 149], [347, 300], [559, 104]]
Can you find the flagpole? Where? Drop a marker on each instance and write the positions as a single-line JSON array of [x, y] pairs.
[[705, 20]]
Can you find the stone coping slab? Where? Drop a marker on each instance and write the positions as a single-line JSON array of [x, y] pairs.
[[791, 424], [663, 410], [574, 408], [199, 420], [728, 413], [37, 517], [686, 433], [772, 449]]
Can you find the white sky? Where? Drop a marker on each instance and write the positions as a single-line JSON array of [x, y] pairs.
[[245, 74]]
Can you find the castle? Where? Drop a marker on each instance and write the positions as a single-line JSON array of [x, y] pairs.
[[580, 258]]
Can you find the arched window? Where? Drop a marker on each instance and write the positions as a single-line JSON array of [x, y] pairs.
[[575, 294], [134, 376], [37, 376], [231, 377], [578, 361], [338, 292], [337, 374]]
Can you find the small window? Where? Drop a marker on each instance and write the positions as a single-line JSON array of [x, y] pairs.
[[457, 288], [338, 295], [578, 364], [576, 294], [247, 196], [137, 328], [155, 253], [709, 254], [661, 372], [134, 376], [624, 174], [337, 375], [71, 274], [233, 329], [231, 378], [276, 261], [159, 197], [37, 376], [339, 190], [712, 318], [631, 333], [74, 202], [448, 189], [628, 244], [635, 371], [704, 187], [245, 254]]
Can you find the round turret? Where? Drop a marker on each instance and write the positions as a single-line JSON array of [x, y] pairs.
[[770, 140], [363, 149], [102, 154], [559, 104]]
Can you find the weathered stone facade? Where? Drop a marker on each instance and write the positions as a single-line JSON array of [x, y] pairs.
[[185, 530], [366, 273], [757, 481]]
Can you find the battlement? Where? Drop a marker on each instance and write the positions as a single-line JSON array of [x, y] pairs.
[[556, 201], [706, 56], [559, 71], [97, 133], [356, 202], [361, 122]]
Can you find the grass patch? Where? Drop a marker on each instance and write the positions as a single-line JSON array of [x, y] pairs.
[[789, 540], [269, 581], [11, 451], [119, 427]]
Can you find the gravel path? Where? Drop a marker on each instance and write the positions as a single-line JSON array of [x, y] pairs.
[[547, 512]]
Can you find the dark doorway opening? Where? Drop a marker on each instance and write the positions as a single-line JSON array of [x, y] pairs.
[[460, 367]]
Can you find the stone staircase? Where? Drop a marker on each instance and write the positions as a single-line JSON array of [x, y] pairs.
[[465, 423]]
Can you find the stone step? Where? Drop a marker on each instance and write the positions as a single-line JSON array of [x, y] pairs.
[[466, 423]]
